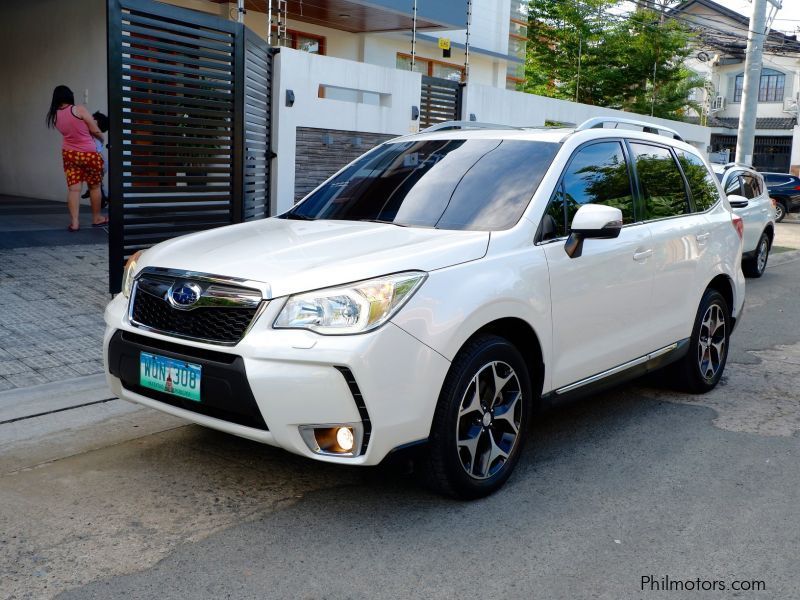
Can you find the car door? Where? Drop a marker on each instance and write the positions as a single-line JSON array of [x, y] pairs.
[[680, 238], [757, 212], [600, 300], [737, 183]]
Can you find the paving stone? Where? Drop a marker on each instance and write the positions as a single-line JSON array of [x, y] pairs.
[[21, 380], [72, 357], [11, 367], [88, 368], [51, 313], [24, 351], [42, 361], [58, 373]]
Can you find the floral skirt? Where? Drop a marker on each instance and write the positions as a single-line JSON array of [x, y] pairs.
[[82, 166]]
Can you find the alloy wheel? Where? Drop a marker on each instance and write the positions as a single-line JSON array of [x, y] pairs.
[[489, 419], [711, 346], [763, 253]]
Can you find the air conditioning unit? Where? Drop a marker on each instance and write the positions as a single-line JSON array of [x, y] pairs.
[[718, 104], [790, 105]]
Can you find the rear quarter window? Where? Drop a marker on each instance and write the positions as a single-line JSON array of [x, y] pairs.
[[701, 182]]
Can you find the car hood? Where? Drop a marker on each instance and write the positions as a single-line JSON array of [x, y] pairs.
[[296, 256]]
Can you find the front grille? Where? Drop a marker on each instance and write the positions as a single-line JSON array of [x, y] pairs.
[[216, 324]]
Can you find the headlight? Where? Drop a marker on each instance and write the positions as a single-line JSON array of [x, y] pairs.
[[128, 273], [354, 308]]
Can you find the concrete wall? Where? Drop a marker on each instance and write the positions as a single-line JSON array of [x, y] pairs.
[[358, 98], [43, 44], [493, 105]]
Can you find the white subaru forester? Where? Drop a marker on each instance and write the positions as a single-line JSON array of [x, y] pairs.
[[437, 291]]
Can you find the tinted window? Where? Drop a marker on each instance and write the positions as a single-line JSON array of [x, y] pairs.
[[477, 184], [701, 182], [751, 185], [663, 190], [598, 174], [734, 184]]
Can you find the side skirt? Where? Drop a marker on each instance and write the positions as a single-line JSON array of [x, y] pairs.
[[618, 375]]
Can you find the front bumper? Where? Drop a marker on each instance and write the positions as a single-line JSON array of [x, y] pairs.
[[274, 381]]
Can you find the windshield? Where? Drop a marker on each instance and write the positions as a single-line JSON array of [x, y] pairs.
[[474, 184]]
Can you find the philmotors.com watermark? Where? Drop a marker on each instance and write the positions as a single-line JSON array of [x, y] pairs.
[[651, 583]]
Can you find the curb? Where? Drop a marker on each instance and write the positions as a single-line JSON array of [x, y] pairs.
[[48, 397], [783, 257]]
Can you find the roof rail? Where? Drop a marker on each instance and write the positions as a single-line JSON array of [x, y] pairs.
[[598, 122], [465, 125], [730, 165]]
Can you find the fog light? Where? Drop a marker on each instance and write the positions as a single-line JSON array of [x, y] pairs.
[[339, 439], [345, 439]]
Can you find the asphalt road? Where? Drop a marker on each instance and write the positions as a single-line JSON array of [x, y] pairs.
[[640, 481]]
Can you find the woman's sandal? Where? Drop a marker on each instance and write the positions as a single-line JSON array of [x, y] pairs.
[[72, 229], [102, 223]]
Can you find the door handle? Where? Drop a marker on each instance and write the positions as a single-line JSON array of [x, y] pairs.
[[702, 238], [643, 254]]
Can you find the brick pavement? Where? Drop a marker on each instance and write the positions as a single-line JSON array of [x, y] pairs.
[[51, 313]]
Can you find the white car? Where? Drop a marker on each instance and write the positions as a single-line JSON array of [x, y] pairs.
[[749, 198], [437, 291]]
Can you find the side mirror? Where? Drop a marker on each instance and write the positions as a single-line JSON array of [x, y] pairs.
[[738, 201], [592, 221]]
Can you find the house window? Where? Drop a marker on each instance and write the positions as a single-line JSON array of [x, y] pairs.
[[307, 42], [770, 89], [434, 68]]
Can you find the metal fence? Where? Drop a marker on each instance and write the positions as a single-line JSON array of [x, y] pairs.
[[189, 98], [440, 101]]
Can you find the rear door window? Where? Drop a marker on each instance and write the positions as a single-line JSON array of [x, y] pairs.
[[701, 182], [751, 186], [660, 182]]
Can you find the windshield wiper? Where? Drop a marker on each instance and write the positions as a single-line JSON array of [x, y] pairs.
[[382, 221], [298, 217]]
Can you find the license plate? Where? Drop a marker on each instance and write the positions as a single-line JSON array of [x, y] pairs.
[[171, 376]]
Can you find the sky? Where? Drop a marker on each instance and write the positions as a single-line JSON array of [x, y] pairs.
[[787, 19]]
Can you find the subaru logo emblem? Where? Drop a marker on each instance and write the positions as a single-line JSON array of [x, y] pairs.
[[184, 295]]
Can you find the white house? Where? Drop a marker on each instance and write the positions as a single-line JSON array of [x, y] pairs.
[[720, 57]]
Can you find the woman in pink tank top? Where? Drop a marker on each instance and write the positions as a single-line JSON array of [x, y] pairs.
[[82, 161]]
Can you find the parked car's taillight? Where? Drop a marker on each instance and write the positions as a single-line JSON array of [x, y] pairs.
[[738, 225], [797, 187]]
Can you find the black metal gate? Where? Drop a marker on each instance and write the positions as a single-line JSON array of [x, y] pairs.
[[441, 101], [189, 98], [770, 153]]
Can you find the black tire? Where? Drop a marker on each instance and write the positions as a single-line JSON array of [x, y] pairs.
[[780, 211], [692, 373], [473, 469], [755, 267]]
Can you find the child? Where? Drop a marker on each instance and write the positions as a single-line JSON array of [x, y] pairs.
[[102, 124]]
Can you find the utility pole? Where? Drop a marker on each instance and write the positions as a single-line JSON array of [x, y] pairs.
[[414, 35], [745, 141]]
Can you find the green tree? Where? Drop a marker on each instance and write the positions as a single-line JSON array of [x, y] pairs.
[[634, 62]]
